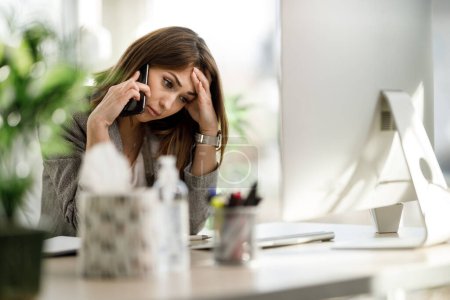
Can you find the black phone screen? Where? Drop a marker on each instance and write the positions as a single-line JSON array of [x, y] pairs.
[[134, 107]]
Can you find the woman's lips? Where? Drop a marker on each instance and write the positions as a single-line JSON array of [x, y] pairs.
[[153, 112]]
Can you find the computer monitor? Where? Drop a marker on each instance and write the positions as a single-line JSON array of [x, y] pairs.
[[338, 152]]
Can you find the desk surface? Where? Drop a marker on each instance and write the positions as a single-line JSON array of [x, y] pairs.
[[312, 270]]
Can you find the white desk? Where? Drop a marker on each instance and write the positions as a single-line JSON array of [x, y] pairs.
[[306, 271]]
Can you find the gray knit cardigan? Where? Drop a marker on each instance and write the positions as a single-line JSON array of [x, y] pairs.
[[60, 182]]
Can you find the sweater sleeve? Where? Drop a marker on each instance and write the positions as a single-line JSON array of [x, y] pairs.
[[60, 181], [60, 187], [198, 193]]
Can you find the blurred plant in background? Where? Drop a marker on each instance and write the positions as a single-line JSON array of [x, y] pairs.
[[237, 113], [39, 91], [240, 168]]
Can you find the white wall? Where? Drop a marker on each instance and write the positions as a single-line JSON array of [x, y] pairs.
[[441, 55]]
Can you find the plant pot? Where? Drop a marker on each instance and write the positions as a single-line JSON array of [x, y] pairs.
[[20, 262]]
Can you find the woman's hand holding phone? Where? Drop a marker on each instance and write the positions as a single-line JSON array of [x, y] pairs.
[[111, 106], [135, 107]]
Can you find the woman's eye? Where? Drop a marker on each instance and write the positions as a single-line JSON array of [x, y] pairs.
[[168, 83], [183, 100]]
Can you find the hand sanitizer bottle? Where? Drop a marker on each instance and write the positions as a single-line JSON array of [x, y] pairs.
[[174, 213]]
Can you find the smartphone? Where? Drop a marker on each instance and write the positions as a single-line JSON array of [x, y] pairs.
[[133, 106]]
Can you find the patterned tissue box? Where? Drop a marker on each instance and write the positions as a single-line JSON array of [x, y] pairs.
[[116, 234]]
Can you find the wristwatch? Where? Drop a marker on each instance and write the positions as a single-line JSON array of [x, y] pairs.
[[215, 141]]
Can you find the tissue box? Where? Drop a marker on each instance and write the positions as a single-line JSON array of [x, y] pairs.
[[116, 234]]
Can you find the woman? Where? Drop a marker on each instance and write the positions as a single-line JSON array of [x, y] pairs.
[[184, 104]]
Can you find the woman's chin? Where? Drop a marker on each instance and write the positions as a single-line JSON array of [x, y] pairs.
[[145, 117]]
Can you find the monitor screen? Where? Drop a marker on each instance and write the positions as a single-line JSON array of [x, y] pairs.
[[336, 58]]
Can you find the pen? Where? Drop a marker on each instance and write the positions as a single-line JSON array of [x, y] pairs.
[[198, 237], [235, 199], [211, 194], [251, 198], [218, 201]]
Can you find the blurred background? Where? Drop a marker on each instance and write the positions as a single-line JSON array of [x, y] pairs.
[[246, 50], [243, 36]]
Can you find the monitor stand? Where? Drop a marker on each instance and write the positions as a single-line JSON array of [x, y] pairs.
[[427, 179]]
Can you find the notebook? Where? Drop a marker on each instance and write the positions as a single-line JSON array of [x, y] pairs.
[[277, 234], [61, 245]]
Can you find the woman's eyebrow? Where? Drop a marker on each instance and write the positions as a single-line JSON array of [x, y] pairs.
[[179, 83], [176, 79]]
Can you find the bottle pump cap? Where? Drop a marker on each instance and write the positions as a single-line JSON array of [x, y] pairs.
[[167, 169], [166, 160]]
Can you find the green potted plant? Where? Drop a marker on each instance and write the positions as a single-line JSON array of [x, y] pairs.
[[39, 90]]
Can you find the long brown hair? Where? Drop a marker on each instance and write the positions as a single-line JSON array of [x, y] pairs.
[[172, 48]]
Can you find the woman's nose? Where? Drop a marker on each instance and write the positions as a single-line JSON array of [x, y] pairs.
[[166, 102]]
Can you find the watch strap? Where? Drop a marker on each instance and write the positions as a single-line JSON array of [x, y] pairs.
[[215, 141]]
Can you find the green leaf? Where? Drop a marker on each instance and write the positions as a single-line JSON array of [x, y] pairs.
[[12, 192], [21, 58], [2, 53], [237, 114], [36, 34]]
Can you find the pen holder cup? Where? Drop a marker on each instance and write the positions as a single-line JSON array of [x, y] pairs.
[[116, 234], [234, 235]]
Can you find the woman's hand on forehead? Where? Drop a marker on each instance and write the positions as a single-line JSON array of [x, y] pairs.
[[202, 109]]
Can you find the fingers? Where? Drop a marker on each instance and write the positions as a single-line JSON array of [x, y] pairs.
[[132, 93], [128, 88], [199, 87], [202, 78], [139, 85], [133, 84], [135, 76], [196, 81], [122, 93], [144, 88], [117, 97]]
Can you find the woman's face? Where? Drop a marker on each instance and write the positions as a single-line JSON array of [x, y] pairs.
[[170, 91]]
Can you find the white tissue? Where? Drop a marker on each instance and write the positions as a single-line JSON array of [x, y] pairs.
[[105, 171]]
